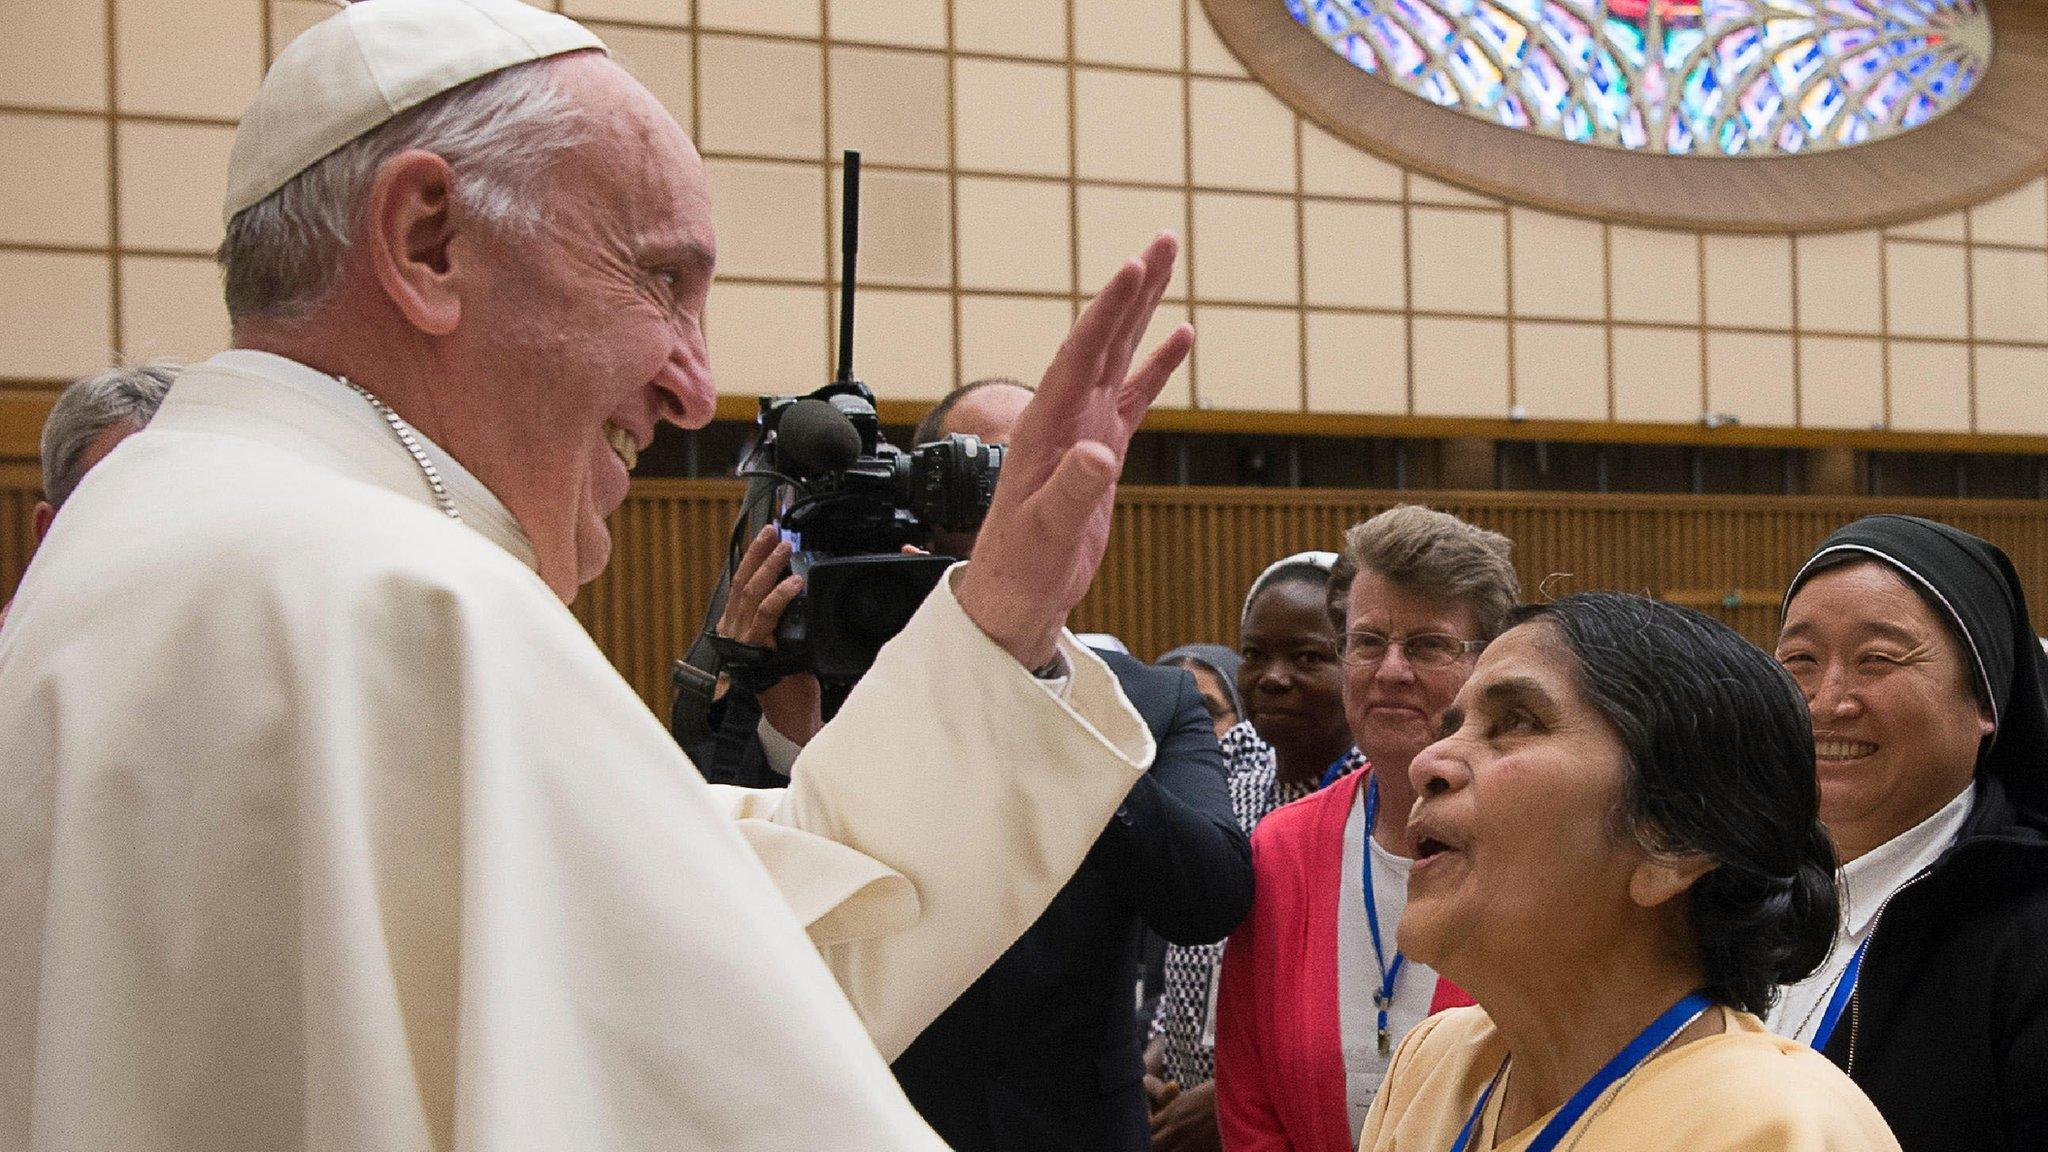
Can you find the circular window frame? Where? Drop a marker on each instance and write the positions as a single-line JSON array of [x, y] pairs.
[[1992, 142]]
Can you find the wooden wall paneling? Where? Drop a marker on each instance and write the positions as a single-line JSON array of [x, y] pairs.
[[17, 532], [668, 541], [1179, 559]]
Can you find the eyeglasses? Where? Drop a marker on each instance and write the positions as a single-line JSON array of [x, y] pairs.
[[1428, 650]]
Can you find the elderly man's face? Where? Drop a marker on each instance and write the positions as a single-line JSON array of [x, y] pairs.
[[591, 333]]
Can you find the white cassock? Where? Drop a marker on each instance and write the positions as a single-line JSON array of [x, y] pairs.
[[324, 825]]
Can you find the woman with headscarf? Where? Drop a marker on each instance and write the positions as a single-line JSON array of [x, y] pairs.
[[1911, 642], [1214, 668], [1292, 741], [1315, 991], [1618, 851]]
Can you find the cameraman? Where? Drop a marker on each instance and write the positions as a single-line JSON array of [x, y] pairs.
[[1042, 1052]]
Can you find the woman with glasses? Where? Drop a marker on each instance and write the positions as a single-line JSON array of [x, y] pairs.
[[1316, 993], [1292, 741]]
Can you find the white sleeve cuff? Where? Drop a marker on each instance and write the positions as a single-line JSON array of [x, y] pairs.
[[779, 750], [1056, 677]]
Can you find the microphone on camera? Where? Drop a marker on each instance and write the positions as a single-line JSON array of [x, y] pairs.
[[813, 438]]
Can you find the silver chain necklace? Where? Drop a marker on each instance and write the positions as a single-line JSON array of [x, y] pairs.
[[1826, 994], [410, 441]]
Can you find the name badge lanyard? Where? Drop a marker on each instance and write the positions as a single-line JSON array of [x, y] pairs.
[[1839, 1000], [1383, 999], [1646, 1044], [1334, 772]]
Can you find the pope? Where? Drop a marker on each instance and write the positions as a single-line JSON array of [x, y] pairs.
[[322, 823]]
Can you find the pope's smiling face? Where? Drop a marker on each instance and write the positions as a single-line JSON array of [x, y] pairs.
[[1896, 721], [590, 332]]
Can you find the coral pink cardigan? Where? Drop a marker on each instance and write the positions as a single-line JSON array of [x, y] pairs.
[[1279, 1039]]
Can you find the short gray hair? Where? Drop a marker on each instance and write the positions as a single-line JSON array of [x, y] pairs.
[[1433, 554], [498, 132], [126, 395]]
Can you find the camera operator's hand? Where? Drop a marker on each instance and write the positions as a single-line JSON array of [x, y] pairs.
[[761, 590], [1046, 531]]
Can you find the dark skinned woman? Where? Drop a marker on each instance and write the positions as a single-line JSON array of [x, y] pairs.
[[1294, 740]]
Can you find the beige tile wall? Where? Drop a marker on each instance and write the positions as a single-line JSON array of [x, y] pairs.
[[1016, 151]]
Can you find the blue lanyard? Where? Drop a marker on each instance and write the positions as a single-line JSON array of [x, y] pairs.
[[1334, 772], [1384, 998], [1844, 989], [1658, 1034]]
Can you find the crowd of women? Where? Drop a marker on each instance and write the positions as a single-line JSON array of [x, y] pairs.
[[1599, 873]]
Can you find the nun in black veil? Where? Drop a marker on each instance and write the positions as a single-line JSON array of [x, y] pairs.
[[1911, 642]]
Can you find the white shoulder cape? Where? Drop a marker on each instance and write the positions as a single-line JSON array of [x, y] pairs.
[[323, 825]]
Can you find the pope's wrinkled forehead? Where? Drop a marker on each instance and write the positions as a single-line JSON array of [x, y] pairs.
[[636, 170]]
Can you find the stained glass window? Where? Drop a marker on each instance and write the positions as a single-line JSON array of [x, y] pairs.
[[1688, 77]]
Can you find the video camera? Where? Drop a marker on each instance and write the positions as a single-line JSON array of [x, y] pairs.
[[849, 501]]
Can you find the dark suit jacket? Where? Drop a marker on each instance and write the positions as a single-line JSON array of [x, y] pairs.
[[1044, 1051]]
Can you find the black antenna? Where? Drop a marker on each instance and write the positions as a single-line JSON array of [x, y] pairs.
[[849, 247]]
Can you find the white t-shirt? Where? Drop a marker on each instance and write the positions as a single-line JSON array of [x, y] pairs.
[[1358, 972]]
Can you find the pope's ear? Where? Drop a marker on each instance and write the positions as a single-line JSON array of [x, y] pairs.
[[45, 513], [1661, 879], [410, 240]]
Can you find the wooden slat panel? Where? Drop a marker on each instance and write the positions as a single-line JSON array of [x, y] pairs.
[[1179, 559], [17, 531]]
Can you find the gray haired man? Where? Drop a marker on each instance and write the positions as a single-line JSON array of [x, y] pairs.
[[89, 419]]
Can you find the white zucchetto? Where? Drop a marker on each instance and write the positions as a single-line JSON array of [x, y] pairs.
[[367, 63]]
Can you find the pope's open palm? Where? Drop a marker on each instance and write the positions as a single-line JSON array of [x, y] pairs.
[[1046, 531]]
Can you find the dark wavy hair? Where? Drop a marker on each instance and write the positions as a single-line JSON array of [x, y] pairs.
[[1720, 762]]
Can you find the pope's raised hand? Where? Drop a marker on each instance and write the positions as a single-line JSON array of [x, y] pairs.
[[1049, 524]]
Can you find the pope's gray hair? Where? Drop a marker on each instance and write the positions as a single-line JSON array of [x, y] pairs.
[[126, 395], [499, 133]]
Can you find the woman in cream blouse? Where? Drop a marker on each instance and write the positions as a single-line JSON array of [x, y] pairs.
[[1619, 855]]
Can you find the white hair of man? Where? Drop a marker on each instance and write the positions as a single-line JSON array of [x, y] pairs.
[[125, 395], [498, 133]]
